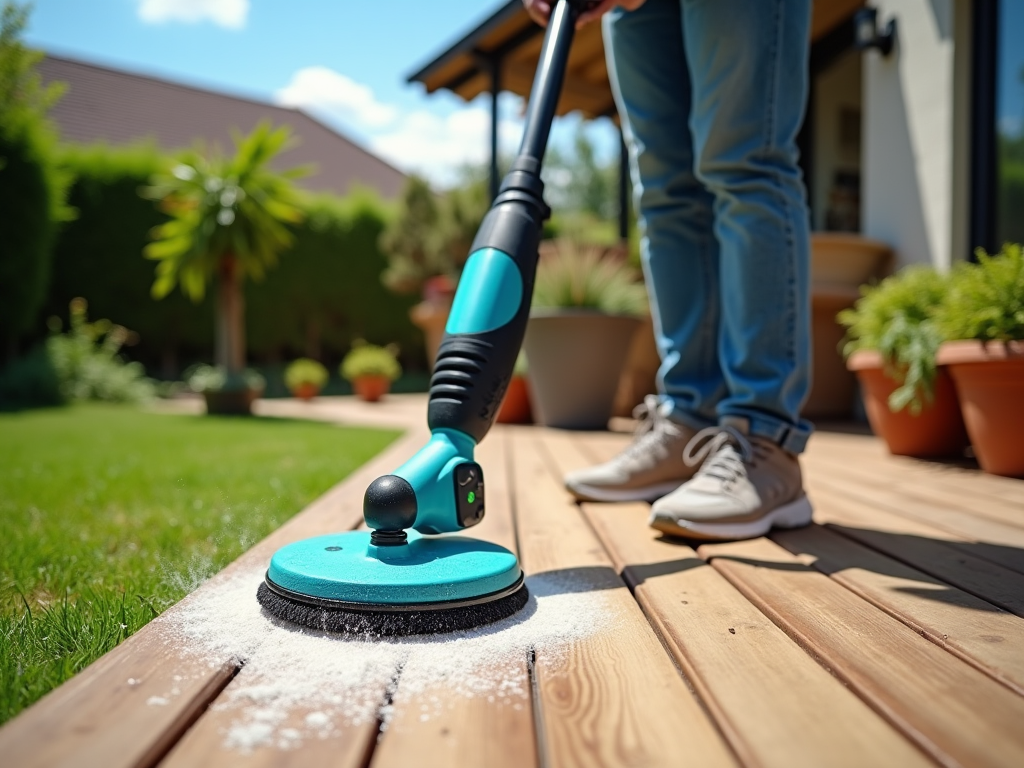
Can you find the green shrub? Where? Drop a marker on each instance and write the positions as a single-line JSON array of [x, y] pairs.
[[32, 185], [98, 256], [325, 292], [29, 382], [576, 275], [986, 300], [370, 360], [305, 371], [895, 318], [87, 363]]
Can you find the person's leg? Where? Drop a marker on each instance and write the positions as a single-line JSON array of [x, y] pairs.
[[649, 75], [748, 67], [748, 64], [651, 82]]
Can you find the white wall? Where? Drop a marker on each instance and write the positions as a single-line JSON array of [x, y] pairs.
[[911, 161]]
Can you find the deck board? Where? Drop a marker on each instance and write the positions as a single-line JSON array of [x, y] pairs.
[[775, 704], [950, 709], [977, 631], [889, 633], [615, 697]]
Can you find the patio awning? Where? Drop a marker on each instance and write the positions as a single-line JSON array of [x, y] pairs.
[[506, 46], [501, 54]]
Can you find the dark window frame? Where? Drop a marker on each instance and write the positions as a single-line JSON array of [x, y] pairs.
[[984, 162]]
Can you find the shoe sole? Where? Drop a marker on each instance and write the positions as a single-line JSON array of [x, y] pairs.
[[795, 514], [651, 493]]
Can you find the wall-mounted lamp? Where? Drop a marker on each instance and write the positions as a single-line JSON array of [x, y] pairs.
[[868, 36]]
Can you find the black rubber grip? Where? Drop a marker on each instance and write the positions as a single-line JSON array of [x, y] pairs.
[[472, 370]]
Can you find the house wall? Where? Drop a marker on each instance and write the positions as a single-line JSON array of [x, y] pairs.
[[912, 163]]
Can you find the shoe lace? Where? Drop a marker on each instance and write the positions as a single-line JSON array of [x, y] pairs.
[[717, 448], [650, 423]]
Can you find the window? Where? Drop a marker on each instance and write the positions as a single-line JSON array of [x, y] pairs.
[[1009, 124]]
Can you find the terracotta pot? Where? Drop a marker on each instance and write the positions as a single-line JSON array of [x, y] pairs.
[[371, 388], [938, 430], [231, 402], [989, 379], [515, 408], [576, 358], [306, 391]]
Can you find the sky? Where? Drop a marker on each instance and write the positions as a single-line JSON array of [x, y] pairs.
[[1010, 88], [344, 61]]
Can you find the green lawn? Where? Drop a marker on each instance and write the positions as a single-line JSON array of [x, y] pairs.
[[108, 515]]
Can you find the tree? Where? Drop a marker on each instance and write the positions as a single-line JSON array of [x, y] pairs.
[[229, 221], [431, 234], [32, 185]]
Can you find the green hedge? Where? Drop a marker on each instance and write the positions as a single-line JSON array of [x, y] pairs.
[[325, 291]]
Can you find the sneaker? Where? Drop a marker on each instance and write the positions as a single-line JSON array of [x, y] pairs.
[[745, 486], [649, 468]]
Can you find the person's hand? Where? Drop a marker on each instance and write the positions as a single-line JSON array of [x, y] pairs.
[[540, 10]]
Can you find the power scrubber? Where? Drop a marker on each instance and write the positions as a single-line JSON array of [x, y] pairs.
[[401, 578]]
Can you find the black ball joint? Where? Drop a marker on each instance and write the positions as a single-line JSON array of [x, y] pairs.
[[389, 507]]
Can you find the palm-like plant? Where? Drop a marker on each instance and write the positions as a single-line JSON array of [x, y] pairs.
[[229, 221]]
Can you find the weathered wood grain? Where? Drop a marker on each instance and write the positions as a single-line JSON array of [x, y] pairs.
[[954, 712], [977, 631], [614, 697]]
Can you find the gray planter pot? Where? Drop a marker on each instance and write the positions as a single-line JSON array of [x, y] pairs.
[[230, 402], [576, 359]]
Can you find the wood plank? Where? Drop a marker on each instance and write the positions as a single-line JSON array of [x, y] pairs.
[[950, 709], [959, 557], [976, 631], [926, 487], [959, 522], [444, 728], [775, 704], [612, 697], [126, 709], [947, 474]]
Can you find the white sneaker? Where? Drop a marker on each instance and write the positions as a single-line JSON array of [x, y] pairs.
[[649, 468], [745, 486]]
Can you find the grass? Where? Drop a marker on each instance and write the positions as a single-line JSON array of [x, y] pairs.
[[108, 515]]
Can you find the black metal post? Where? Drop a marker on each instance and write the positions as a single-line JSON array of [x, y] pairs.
[[495, 62], [984, 170], [623, 188]]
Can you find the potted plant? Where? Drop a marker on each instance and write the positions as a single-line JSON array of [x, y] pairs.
[[371, 369], [222, 394], [228, 221], [515, 408], [982, 319], [891, 344], [587, 302], [305, 378]]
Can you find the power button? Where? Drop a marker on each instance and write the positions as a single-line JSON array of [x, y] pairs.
[[469, 493]]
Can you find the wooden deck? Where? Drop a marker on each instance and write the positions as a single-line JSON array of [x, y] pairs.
[[891, 632]]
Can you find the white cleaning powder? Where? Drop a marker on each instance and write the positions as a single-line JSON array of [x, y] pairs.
[[301, 684]]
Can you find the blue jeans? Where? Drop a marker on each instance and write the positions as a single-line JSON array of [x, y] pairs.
[[711, 94]]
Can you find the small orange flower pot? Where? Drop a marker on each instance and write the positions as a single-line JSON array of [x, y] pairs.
[[371, 388], [515, 408], [937, 431], [306, 391], [989, 379]]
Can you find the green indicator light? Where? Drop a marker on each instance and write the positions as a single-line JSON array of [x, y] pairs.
[[471, 497]]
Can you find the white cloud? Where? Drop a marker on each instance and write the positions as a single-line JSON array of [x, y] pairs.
[[225, 13], [336, 96], [438, 147]]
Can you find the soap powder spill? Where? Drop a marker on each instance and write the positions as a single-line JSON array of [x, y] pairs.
[[301, 684]]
